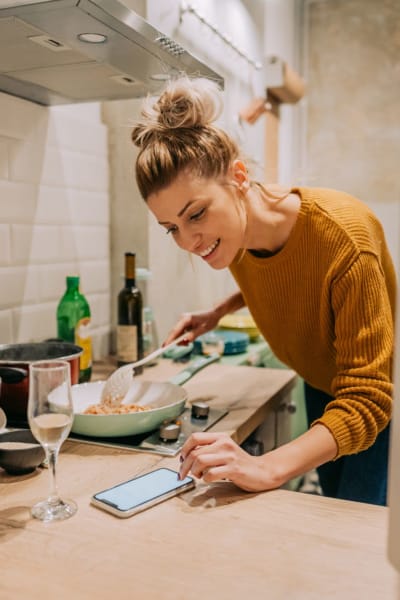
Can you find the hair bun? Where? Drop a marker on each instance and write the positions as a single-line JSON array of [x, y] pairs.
[[189, 103], [184, 103], [141, 134]]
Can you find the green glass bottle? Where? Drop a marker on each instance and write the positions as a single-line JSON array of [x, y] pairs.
[[73, 324]]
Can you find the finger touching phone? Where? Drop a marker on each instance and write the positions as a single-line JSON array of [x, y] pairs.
[[142, 492]]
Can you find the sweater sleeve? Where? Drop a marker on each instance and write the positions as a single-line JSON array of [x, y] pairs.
[[364, 332]]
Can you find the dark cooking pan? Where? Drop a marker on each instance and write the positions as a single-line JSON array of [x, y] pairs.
[[14, 371]]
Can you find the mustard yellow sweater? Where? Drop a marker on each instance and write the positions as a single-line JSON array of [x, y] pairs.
[[325, 304]]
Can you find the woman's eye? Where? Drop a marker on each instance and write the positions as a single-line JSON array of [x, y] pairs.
[[172, 229], [196, 216]]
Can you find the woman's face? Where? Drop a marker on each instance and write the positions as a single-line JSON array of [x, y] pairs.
[[204, 217]]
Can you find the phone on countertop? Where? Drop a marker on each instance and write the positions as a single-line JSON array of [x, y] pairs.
[[133, 496]]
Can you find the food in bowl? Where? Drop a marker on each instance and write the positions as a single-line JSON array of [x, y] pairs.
[[160, 401], [106, 409]]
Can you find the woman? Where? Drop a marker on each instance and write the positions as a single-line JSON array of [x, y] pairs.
[[313, 268]]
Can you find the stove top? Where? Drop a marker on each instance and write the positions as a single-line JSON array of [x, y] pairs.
[[152, 442]]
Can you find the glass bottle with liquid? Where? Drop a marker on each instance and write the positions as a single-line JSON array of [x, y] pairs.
[[130, 317], [74, 322], [150, 337]]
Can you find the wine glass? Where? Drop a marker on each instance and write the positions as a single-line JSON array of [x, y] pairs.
[[50, 416]]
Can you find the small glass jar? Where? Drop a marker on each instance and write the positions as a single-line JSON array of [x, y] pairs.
[[211, 343], [150, 338]]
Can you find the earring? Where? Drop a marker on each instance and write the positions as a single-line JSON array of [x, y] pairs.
[[242, 187]]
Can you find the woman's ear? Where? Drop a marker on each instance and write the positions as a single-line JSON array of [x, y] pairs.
[[240, 175]]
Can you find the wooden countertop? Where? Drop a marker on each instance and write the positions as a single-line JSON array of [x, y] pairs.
[[213, 542]]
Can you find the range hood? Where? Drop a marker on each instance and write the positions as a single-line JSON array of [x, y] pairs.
[[67, 51]]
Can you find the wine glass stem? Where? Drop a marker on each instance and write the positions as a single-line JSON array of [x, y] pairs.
[[52, 454]]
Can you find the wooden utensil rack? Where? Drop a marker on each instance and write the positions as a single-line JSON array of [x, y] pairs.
[[284, 86]]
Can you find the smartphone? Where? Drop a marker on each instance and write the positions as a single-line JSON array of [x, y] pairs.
[[142, 492]]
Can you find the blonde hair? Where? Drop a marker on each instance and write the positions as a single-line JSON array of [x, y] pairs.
[[176, 134]]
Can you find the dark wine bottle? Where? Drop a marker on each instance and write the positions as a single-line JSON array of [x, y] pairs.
[[130, 310]]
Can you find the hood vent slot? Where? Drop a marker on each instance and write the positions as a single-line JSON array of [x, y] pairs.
[[50, 43]]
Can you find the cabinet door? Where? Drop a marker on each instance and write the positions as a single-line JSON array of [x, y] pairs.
[[281, 426]]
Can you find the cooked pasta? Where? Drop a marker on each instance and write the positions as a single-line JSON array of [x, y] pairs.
[[104, 409]]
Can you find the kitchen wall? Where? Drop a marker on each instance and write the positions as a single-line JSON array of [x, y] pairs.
[[352, 109], [54, 216]]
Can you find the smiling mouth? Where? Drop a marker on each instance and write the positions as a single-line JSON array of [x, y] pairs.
[[210, 249]]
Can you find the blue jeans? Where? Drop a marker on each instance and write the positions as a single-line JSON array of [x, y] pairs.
[[361, 477]]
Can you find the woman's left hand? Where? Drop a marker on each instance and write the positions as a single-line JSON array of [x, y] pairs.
[[215, 456]]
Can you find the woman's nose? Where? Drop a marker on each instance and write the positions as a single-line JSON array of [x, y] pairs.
[[190, 241]]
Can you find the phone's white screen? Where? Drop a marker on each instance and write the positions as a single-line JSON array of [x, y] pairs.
[[142, 489]]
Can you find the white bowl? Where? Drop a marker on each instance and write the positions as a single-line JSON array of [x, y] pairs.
[[165, 401]]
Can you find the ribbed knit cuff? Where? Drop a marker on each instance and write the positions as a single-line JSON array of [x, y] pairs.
[[348, 442]]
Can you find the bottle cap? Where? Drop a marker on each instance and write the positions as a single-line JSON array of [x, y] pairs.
[[73, 279]]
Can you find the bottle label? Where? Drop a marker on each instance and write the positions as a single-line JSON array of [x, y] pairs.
[[83, 339], [127, 343]]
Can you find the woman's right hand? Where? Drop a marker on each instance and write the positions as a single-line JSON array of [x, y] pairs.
[[194, 324]]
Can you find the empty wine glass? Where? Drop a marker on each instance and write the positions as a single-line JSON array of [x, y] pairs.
[[50, 416]]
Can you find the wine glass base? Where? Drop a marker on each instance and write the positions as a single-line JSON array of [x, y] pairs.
[[54, 511]]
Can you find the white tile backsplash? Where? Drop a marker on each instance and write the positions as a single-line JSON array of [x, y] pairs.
[[3, 159], [17, 202], [84, 242], [66, 205], [54, 217], [26, 161], [51, 280], [19, 286], [32, 244], [5, 245], [55, 167], [93, 274], [21, 120], [100, 307], [34, 322], [75, 170], [67, 132], [6, 327]]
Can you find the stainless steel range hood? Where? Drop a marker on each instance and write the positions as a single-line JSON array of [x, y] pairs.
[[67, 51]]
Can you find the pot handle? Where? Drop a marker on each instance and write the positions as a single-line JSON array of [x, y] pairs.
[[13, 374]]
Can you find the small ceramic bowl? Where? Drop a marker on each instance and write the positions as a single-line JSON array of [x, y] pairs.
[[20, 452]]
